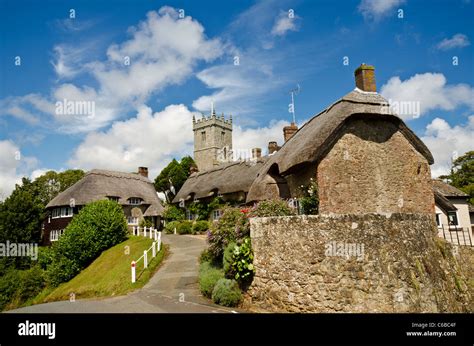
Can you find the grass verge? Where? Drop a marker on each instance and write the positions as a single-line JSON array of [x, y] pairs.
[[109, 275]]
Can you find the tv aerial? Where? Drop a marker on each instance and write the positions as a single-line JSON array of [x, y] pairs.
[[291, 106]]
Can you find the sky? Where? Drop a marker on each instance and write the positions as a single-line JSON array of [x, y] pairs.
[[114, 84]]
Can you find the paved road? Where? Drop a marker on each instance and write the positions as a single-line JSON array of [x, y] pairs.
[[174, 288]]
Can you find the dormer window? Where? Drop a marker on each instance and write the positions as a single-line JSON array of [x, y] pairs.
[[62, 212], [113, 198], [134, 201]]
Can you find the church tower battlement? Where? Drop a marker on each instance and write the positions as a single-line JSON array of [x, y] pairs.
[[212, 140]]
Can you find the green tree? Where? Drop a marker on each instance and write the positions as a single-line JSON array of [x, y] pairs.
[[52, 183], [174, 174], [462, 174]]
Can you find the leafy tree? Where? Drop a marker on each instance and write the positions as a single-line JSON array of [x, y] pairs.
[[173, 213], [462, 174], [52, 183], [175, 174]]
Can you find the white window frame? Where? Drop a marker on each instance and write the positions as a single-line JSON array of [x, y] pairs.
[[113, 198], [449, 221], [62, 212], [54, 235], [132, 220], [216, 214], [134, 201]]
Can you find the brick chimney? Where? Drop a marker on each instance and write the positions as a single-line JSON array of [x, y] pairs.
[[365, 78], [272, 147], [289, 131], [143, 171], [256, 153]]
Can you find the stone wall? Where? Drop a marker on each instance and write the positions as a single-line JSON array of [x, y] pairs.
[[355, 263], [373, 168]]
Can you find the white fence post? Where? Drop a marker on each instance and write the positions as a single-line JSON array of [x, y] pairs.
[[153, 249], [133, 272], [145, 259], [151, 235], [159, 241]]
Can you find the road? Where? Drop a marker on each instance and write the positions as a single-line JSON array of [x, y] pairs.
[[173, 289]]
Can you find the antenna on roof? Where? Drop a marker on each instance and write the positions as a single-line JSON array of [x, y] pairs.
[[291, 106]]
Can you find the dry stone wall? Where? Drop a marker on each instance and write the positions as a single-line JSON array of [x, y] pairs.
[[355, 263]]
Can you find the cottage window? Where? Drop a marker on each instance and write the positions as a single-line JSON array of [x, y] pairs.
[[62, 212], [453, 218], [216, 214], [438, 221], [135, 201], [54, 235], [132, 220], [113, 198]]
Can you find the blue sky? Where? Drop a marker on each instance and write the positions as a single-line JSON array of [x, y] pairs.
[[182, 56]]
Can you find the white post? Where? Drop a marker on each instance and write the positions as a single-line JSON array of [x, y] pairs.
[[133, 272], [145, 259], [133, 230], [156, 234], [151, 235], [144, 231], [159, 241], [153, 250]]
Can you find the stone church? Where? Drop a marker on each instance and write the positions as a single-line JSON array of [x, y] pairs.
[[363, 157]]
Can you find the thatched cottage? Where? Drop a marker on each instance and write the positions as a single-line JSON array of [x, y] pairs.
[[133, 191], [362, 156]]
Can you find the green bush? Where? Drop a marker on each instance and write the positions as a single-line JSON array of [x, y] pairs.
[[145, 223], [228, 259], [208, 277], [8, 286], [170, 226], [241, 264], [227, 293], [45, 256], [185, 227], [173, 213], [272, 207], [200, 226], [310, 202], [98, 226]]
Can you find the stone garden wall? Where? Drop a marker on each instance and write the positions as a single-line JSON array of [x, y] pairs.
[[356, 263]]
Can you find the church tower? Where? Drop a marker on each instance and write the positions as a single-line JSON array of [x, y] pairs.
[[212, 140]]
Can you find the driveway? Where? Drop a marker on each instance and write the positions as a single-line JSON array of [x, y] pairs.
[[174, 287]]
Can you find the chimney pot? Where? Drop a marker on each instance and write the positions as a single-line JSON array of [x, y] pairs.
[[289, 131], [365, 78], [143, 171], [272, 147], [256, 153]]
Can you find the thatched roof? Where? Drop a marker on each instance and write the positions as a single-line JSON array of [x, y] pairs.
[[443, 203], [447, 190], [223, 179], [314, 138], [100, 184]]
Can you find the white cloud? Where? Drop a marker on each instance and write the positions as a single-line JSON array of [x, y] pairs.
[[377, 9], [149, 139], [457, 41], [163, 50], [444, 140], [246, 139], [13, 166], [430, 90], [284, 23]]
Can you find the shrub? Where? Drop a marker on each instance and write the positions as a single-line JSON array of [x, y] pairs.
[[200, 226], [98, 226], [170, 226], [32, 281], [45, 256], [228, 259], [208, 277], [272, 207], [8, 286], [232, 226], [173, 213], [185, 227], [310, 202], [145, 223], [240, 263], [226, 292]]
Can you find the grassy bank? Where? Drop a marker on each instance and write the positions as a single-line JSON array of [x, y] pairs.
[[109, 275]]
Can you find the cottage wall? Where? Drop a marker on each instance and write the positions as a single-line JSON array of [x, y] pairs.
[[373, 168]]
